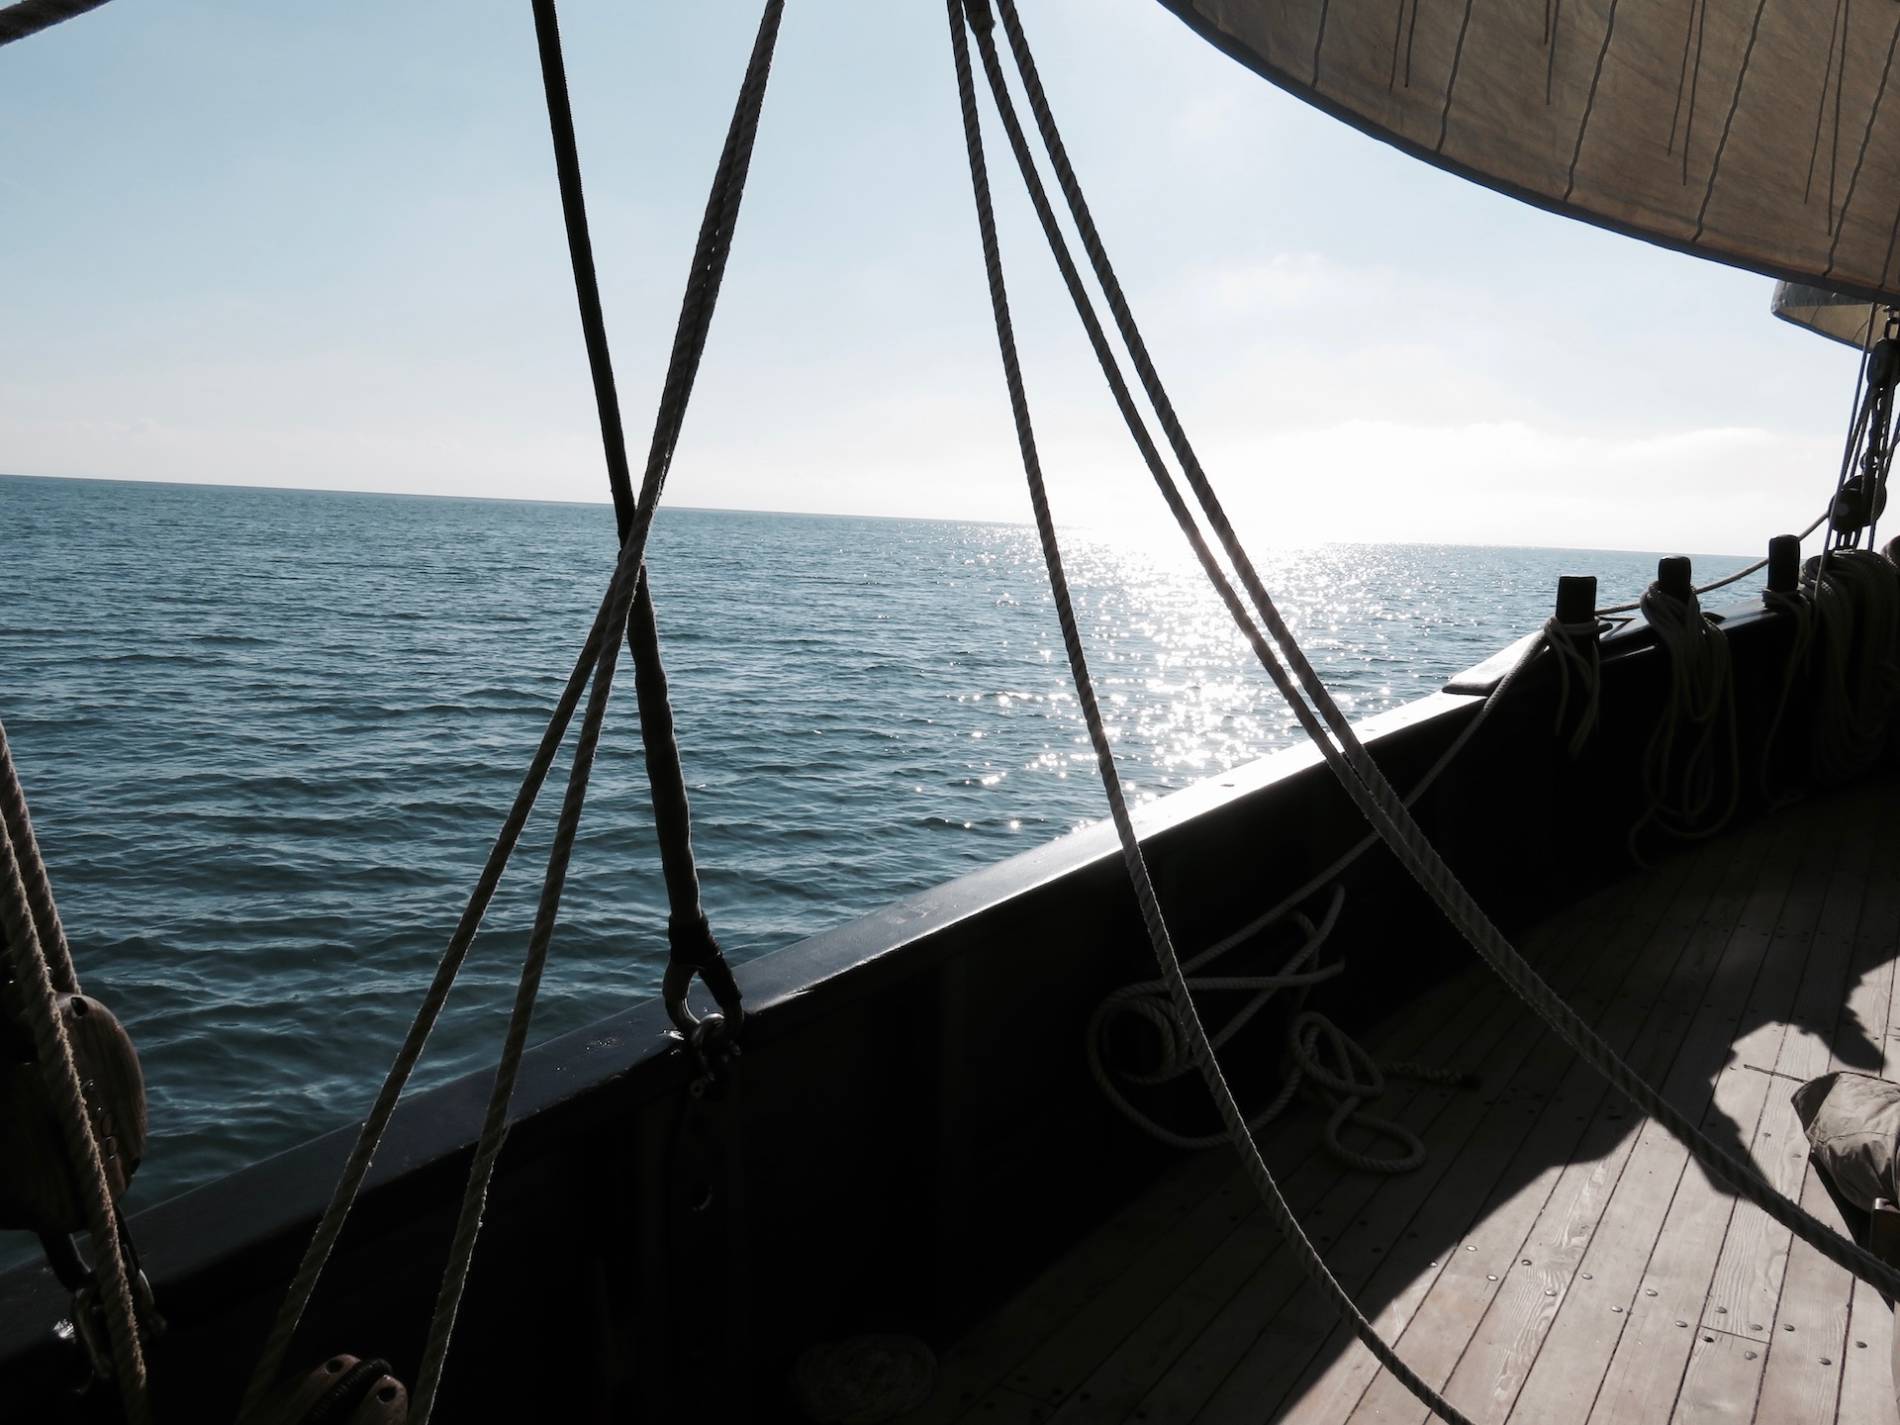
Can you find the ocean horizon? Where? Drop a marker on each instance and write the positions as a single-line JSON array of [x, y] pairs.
[[268, 736]]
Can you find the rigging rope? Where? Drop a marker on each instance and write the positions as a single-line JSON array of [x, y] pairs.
[[693, 948], [1855, 596], [1148, 999], [29, 17], [1350, 1080], [1579, 674], [1262, 1177], [1323, 721], [42, 970], [1797, 606], [1722, 583], [1693, 753], [594, 664]]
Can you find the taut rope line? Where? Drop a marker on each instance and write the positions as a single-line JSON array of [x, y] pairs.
[[594, 664], [1276, 1204], [1139, 997], [1351, 763], [26, 910]]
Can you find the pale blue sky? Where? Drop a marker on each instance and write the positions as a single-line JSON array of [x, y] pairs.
[[320, 245]]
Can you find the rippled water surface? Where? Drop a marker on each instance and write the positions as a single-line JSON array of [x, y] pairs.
[[268, 737]]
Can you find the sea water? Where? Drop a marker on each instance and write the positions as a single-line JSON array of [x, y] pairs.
[[268, 737]]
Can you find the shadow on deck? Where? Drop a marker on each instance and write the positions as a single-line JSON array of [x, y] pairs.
[[1558, 1258]]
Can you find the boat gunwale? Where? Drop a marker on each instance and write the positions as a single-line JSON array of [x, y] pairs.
[[272, 1204]]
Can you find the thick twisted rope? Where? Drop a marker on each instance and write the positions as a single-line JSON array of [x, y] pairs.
[[1380, 803], [33, 974], [1148, 1000], [37, 885], [1855, 594], [1692, 780], [611, 623], [1579, 675], [618, 604], [1798, 607], [695, 322], [29, 17], [693, 946], [1318, 1050], [1136, 865], [369, 1137]]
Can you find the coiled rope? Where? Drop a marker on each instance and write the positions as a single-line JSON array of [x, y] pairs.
[[42, 968], [1798, 608], [1579, 675], [1692, 781], [1323, 721], [592, 672], [1855, 596], [1148, 1000], [1318, 1050]]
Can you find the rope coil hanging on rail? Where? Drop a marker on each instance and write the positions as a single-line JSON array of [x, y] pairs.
[[1854, 596], [1149, 1001], [40, 968], [1692, 782], [1322, 719]]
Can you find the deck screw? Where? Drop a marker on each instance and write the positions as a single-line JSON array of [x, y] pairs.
[[1524, 1262], [1826, 1362], [1748, 1355], [1617, 1309], [1490, 1276], [1550, 1291], [1682, 1323], [1721, 1311], [1649, 1291], [1710, 1340], [1787, 1328], [1587, 1277], [1861, 1344]]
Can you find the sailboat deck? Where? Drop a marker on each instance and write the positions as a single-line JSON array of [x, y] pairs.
[[1558, 1258]]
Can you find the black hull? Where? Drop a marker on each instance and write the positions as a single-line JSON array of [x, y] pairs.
[[912, 1130]]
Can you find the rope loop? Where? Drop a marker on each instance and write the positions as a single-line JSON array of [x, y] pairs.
[[1320, 1055], [1579, 672], [1306, 694], [694, 951], [32, 946], [1855, 597], [1798, 607], [1692, 763]]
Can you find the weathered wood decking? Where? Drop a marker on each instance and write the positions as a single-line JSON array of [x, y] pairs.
[[1558, 1259]]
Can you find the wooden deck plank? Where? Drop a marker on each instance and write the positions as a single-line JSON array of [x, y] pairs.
[[1721, 1381], [1181, 1392], [1558, 1101], [1651, 1356], [1099, 1335], [1481, 1338], [985, 1360], [1746, 1292], [1804, 1384], [1583, 1336], [1770, 958], [1867, 1386], [1754, 1256]]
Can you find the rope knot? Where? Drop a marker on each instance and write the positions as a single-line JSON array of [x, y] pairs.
[[695, 952]]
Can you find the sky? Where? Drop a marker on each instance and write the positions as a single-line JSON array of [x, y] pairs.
[[321, 246]]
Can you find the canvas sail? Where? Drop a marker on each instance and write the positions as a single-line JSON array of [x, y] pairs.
[[1757, 132]]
